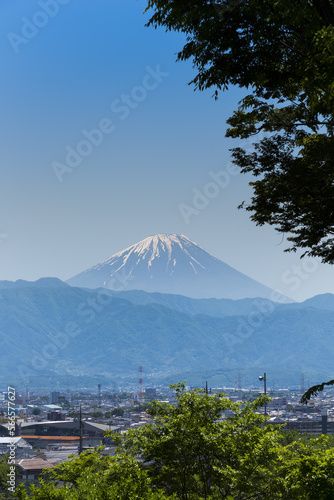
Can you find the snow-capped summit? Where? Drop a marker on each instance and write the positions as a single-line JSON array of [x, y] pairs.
[[170, 263]]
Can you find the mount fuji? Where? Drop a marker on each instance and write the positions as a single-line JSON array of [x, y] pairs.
[[170, 263]]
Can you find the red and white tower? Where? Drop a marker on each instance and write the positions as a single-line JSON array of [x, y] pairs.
[[140, 381]]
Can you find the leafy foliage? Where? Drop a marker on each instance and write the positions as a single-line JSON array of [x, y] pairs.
[[117, 412], [189, 453], [314, 390], [284, 52], [4, 471], [193, 454], [92, 476], [306, 470]]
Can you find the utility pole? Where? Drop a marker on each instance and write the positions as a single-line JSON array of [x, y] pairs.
[[28, 391], [99, 393], [80, 431], [68, 391], [264, 378]]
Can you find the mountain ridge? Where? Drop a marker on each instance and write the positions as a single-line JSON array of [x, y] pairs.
[[48, 282], [69, 332]]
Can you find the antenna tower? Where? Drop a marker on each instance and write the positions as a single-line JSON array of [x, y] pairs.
[[80, 431], [68, 390], [28, 391], [140, 381], [302, 383]]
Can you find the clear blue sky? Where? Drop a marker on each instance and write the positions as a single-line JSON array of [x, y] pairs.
[[70, 66]]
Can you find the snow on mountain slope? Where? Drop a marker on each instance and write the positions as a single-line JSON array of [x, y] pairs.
[[170, 263]]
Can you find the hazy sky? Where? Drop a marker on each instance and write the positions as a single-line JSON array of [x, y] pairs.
[[103, 143]]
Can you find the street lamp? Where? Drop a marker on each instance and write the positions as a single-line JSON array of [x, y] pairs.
[[264, 378]]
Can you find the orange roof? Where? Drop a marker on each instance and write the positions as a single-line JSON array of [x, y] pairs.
[[55, 438]]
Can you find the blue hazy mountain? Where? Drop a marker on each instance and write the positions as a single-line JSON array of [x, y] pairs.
[[63, 331], [324, 301], [42, 283], [171, 264], [212, 307]]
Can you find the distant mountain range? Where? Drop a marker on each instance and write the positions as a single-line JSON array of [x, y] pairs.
[[170, 263], [50, 331], [41, 283]]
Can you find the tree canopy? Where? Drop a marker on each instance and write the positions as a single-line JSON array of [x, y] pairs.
[[203, 447], [283, 53], [192, 454]]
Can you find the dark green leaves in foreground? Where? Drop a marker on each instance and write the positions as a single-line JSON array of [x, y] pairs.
[[314, 390], [92, 476], [283, 52]]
